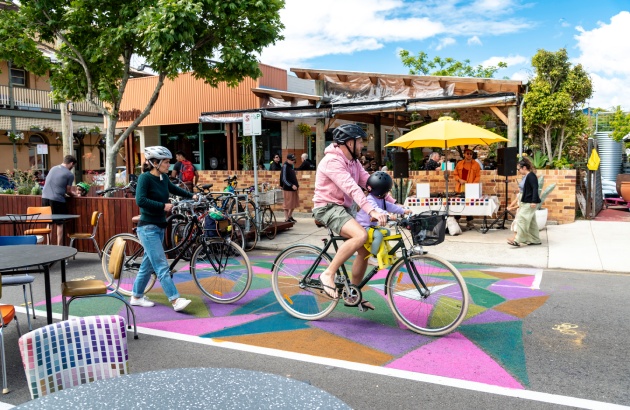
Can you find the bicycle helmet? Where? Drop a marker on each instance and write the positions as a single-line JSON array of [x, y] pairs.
[[380, 183], [83, 188], [347, 132], [157, 152]]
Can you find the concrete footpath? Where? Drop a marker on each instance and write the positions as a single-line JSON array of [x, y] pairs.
[[583, 245]]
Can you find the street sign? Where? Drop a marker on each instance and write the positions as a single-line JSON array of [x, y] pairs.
[[42, 149], [252, 123]]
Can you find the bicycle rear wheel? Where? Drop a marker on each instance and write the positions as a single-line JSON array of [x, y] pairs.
[[173, 237], [292, 290], [221, 270], [134, 254], [269, 223], [445, 303], [250, 234]]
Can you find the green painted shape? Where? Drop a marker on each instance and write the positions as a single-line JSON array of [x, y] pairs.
[[474, 310], [381, 314], [470, 266], [263, 304], [197, 307], [260, 282], [271, 324], [503, 341], [477, 274], [264, 264], [91, 306], [483, 297], [479, 282]]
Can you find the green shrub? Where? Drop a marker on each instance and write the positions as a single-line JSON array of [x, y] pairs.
[[543, 193], [36, 190]]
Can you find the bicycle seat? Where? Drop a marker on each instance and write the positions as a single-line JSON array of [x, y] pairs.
[[206, 186], [319, 224]]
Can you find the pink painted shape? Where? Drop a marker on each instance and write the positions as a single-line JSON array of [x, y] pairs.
[[196, 327], [258, 269], [525, 280], [55, 299], [457, 357]]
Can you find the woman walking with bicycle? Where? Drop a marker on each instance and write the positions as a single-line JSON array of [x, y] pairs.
[[152, 196], [338, 183]]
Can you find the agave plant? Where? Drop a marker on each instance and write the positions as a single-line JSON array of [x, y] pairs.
[[406, 188], [543, 193], [539, 160]]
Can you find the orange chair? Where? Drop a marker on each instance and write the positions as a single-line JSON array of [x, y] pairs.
[[8, 314], [96, 215], [44, 210]]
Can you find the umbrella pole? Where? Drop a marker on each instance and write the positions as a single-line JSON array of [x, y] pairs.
[[446, 175]]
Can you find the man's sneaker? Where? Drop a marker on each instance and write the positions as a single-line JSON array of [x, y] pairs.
[[143, 301], [181, 304], [372, 261]]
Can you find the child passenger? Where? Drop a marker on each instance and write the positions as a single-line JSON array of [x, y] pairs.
[[378, 185]]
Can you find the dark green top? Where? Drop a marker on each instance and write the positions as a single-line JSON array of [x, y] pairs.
[[152, 194]]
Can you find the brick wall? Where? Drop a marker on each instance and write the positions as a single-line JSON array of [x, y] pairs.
[[561, 202]]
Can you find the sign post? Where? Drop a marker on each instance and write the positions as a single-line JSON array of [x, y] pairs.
[[252, 125]]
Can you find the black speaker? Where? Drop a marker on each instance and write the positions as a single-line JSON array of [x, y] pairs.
[[506, 161], [401, 164]]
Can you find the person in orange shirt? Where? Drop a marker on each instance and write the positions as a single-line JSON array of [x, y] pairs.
[[466, 171]]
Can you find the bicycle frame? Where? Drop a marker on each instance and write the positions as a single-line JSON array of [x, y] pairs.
[[332, 241]]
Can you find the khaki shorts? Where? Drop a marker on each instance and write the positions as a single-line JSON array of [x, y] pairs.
[[333, 216]]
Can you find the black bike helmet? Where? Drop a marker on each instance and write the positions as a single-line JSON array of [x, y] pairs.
[[347, 132], [380, 183]]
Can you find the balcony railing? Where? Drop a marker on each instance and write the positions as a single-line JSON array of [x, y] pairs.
[[38, 100]]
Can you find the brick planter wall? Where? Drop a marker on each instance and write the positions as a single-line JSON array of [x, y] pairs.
[[561, 202]]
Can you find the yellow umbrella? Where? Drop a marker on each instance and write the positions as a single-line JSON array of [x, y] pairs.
[[446, 133]]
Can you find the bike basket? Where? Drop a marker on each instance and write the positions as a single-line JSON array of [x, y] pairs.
[[428, 228], [267, 198], [213, 228], [279, 196]]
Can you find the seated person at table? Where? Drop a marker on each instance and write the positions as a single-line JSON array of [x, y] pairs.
[[466, 171], [434, 162], [378, 185]]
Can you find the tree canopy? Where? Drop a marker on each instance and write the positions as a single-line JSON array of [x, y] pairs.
[[620, 124], [422, 65], [94, 41], [552, 112]]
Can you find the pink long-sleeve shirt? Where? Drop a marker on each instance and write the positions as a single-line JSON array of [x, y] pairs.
[[338, 180]]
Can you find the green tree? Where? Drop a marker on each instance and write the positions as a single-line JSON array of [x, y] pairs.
[[620, 124], [552, 105], [94, 41], [422, 65]]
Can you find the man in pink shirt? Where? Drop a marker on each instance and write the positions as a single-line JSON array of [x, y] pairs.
[[338, 183]]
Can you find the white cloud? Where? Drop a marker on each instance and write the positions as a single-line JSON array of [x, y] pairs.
[[605, 55], [445, 42], [474, 41], [348, 26], [511, 61]]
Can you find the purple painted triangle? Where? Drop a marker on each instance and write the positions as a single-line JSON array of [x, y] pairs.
[[220, 310], [378, 336], [490, 316], [457, 357], [197, 327]]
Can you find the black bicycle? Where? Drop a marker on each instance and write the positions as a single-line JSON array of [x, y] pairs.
[[425, 292]]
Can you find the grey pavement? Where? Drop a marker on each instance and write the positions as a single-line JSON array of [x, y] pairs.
[[595, 246]]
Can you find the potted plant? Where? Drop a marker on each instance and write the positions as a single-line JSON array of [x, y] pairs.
[[304, 129], [16, 137], [542, 213], [35, 128], [48, 130], [95, 131]]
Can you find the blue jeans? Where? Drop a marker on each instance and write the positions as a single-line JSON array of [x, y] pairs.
[[154, 261]]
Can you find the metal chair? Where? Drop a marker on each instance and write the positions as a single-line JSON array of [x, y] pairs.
[[41, 210], [16, 278], [96, 216], [88, 288], [8, 315], [73, 352], [21, 222]]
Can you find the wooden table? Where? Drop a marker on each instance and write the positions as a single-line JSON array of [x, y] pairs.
[[36, 259]]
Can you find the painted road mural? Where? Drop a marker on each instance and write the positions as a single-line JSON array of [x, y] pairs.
[[486, 348]]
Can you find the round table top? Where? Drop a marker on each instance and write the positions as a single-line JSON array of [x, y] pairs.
[[198, 388], [44, 217], [23, 256]]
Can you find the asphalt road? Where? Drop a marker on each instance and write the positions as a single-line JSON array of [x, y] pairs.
[[576, 348]]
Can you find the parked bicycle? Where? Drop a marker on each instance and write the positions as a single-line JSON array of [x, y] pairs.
[[219, 267], [425, 292], [129, 190]]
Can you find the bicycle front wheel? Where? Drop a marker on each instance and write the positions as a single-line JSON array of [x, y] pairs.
[[292, 289], [221, 270], [269, 223], [133, 256], [432, 311]]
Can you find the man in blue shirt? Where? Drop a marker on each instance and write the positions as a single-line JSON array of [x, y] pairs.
[[59, 183]]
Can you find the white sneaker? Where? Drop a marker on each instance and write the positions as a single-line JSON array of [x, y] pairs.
[[180, 304], [143, 301], [372, 261]]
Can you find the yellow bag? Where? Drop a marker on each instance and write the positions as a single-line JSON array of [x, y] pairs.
[[593, 161]]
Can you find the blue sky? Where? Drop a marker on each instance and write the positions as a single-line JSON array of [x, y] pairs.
[[365, 35]]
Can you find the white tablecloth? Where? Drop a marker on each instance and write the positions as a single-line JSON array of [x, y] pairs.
[[484, 206]]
